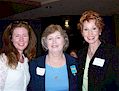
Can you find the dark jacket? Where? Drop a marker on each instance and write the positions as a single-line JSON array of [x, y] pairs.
[[101, 78], [37, 82]]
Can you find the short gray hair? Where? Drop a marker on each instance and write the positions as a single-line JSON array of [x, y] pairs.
[[51, 29]]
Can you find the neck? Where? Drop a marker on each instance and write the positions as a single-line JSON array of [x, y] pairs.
[[55, 61], [55, 54], [21, 59], [92, 49]]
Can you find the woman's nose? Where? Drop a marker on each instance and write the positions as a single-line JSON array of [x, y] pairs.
[[90, 32], [21, 38]]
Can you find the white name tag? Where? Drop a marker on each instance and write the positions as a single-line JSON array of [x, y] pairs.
[[40, 71], [98, 62]]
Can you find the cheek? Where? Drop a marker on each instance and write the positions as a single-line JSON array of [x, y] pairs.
[[27, 40], [48, 44], [14, 40], [62, 42], [97, 33], [27, 43], [84, 34]]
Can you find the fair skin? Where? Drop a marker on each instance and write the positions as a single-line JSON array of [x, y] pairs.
[[91, 34], [55, 43], [20, 39]]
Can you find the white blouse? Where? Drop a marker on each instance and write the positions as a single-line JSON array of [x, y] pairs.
[[17, 79], [3, 71]]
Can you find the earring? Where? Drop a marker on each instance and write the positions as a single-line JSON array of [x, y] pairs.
[[99, 33]]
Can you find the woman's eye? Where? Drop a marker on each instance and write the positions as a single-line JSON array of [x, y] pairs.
[[25, 36], [85, 29], [49, 38], [17, 36], [58, 37], [95, 29]]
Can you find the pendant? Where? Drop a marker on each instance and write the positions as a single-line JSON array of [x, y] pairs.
[[56, 77]]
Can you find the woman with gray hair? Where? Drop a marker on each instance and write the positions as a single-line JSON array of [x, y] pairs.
[[55, 71]]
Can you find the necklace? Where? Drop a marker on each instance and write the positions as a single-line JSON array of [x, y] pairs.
[[55, 72], [55, 68], [56, 77]]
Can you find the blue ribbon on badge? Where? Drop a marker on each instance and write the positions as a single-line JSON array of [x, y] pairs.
[[73, 69]]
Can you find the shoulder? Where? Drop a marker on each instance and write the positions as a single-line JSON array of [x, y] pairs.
[[3, 58], [70, 58], [82, 51], [110, 48], [38, 60], [3, 62]]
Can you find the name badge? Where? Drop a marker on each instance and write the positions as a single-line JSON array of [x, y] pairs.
[[40, 71], [98, 62]]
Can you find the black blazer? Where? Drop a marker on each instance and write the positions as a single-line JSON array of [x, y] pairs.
[[37, 82], [101, 78]]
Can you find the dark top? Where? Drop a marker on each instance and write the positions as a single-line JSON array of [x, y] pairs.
[[101, 78], [37, 82]]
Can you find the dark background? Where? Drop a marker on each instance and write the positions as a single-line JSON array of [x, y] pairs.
[[75, 37]]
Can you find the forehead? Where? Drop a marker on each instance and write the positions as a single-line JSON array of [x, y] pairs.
[[20, 30], [90, 21], [56, 33]]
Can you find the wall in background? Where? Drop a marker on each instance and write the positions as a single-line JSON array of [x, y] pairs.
[[116, 22], [76, 40], [75, 37]]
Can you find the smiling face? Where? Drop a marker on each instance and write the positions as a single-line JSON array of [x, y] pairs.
[[55, 42], [90, 32], [20, 38]]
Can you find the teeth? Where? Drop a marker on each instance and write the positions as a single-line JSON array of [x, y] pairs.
[[21, 44], [90, 38], [54, 46]]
